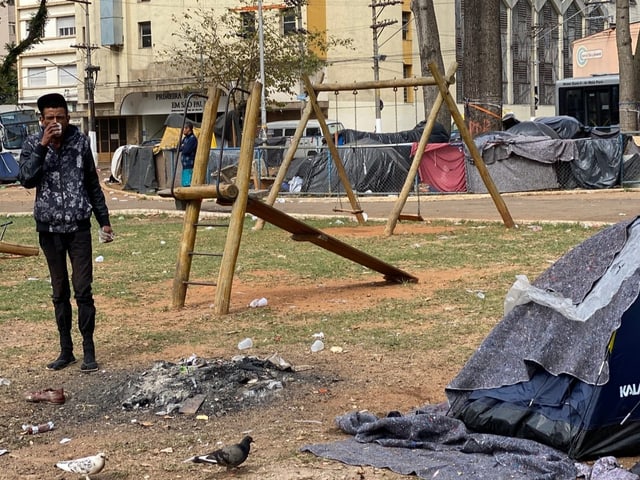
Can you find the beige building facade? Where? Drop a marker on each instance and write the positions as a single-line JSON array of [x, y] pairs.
[[134, 89]]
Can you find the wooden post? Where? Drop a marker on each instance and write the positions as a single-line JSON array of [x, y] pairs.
[[238, 211], [192, 211], [16, 249], [344, 178], [417, 158], [282, 171], [473, 150]]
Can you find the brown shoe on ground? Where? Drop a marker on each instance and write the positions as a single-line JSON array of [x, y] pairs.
[[46, 396]]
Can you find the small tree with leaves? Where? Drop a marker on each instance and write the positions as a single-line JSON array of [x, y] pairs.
[[8, 73], [222, 50]]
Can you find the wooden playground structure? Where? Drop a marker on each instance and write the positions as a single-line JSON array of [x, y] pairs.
[[237, 195]]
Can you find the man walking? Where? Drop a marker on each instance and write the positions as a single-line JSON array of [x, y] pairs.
[[58, 162]]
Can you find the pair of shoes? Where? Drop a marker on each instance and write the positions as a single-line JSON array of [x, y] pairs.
[[89, 366], [61, 362], [47, 396]]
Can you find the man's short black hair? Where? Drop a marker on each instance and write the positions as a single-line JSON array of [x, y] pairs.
[[52, 100], [188, 124]]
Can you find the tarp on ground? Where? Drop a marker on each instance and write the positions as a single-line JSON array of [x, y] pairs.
[[8, 167], [377, 169], [442, 167]]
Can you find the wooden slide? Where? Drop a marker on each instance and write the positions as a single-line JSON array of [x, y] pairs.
[[302, 232]]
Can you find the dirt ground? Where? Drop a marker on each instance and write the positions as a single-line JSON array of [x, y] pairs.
[[142, 444]]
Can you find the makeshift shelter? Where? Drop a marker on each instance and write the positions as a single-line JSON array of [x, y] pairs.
[[378, 168], [442, 167], [561, 368]]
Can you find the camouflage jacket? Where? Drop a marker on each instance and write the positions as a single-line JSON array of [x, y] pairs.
[[67, 186]]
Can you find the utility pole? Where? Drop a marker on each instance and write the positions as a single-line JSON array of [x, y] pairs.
[[91, 77], [377, 27]]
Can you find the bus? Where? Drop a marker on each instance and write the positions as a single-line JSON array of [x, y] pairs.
[[594, 101], [16, 125]]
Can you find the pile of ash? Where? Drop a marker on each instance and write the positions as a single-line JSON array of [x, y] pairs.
[[217, 386]]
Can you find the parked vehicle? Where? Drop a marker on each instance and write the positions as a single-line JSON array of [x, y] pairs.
[[16, 124], [310, 142]]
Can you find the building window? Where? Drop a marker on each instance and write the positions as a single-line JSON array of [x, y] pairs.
[[407, 72], [12, 29], [66, 26], [289, 21], [247, 23], [145, 34], [406, 20], [67, 75], [37, 76]]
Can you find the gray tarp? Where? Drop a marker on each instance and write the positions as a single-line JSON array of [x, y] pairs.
[[522, 163]]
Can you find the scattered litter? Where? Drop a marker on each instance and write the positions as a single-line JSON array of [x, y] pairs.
[[202, 417], [245, 344], [99, 259], [317, 346], [192, 404], [5, 381], [258, 302], [33, 429], [2, 452], [279, 362], [64, 441], [319, 335], [167, 450], [336, 350], [162, 242]]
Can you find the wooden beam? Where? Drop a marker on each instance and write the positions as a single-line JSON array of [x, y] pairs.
[[372, 84], [417, 158], [335, 155], [16, 249], [195, 192], [236, 221], [471, 146], [192, 211]]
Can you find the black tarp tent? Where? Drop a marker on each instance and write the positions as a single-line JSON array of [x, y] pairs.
[[376, 169]]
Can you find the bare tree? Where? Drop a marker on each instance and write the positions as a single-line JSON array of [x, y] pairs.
[[629, 65], [430, 52], [482, 65]]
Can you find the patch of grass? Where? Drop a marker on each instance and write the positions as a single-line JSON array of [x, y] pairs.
[[138, 269]]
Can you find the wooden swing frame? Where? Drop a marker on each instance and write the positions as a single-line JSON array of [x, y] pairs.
[[443, 97]]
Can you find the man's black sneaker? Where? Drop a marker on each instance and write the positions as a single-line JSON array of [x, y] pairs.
[[61, 362], [89, 366]]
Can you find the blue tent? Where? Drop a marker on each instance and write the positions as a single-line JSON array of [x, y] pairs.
[[561, 367], [8, 167]]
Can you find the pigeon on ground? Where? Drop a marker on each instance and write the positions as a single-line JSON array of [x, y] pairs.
[[230, 456], [84, 466]]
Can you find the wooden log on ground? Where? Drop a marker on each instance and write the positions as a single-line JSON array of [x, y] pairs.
[[16, 249]]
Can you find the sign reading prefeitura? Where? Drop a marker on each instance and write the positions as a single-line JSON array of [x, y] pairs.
[[159, 103]]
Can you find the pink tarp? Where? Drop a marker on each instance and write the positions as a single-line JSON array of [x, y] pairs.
[[442, 167]]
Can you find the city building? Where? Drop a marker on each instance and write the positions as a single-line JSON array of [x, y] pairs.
[[108, 57]]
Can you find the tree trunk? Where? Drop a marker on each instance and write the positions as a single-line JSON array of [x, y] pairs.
[[482, 66], [629, 71], [429, 45]]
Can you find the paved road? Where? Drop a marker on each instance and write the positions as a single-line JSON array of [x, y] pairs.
[[592, 206]]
